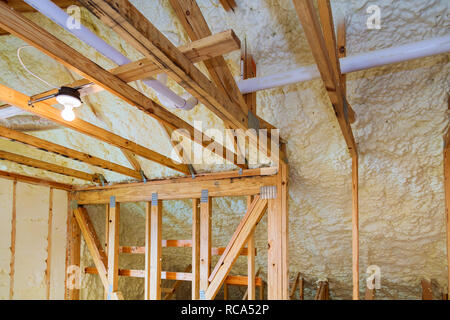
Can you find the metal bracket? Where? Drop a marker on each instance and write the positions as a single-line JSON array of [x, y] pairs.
[[112, 202], [204, 197], [102, 179], [191, 170], [154, 199], [253, 122], [268, 192], [73, 204], [144, 178]]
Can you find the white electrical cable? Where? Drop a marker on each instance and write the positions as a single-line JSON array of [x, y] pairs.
[[28, 70]]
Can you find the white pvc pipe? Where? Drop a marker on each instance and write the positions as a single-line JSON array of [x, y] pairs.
[[359, 62], [60, 17]]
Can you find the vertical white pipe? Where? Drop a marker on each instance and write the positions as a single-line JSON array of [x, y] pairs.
[[60, 17]]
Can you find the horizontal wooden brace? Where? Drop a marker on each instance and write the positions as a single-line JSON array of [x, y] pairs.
[[180, 188], [176, 244], [33, 180], [181, 276]]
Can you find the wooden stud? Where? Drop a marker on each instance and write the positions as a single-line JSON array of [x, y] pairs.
[[155, 249], [73, 254], [447, 198], [277, 224], [49, 245], [301, 288], [225, 291], [370, 293], [427, 292], [355, 228], [294, 286], [148, 237], [245, 296], [106, 247], [205, 241], [195, 249], [237, 242], [66, 152], [13, 242], [251, 260]]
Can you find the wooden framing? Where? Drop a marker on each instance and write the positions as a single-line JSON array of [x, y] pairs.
[[73, 255], [323, 291], [370, 293], [228, 5], [251, 293], [155, 248], [427, 292], [66, 152], [49, 245], [195, 249], [33, 180], [148, 238], [113, 247], [34, 163], [177, 283], [13, 242], [323, 46], [205, 241], [355, 228], [447, 199]]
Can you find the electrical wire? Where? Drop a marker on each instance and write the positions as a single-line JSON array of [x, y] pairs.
[[23, 65]]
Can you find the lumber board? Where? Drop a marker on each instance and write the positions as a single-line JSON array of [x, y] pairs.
[[113, 248], [35, 181], [195, 243], [155, 249], [73, 254], [205, 242]]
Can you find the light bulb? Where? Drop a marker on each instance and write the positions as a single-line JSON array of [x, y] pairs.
[[68, 114]]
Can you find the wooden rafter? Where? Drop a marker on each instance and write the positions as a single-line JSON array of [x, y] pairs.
[[51, 167], [66, 152], [75, 61], [228, 5], [322, 54], [43, 109], [237, 242], [33, 180], [135, 28]]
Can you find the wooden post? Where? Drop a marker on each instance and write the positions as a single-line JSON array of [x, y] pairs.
[[155, 248], [205, 241], [277, 224], [195, 249], [49, 244], [106, 241], [225, 291], [355, 228], [427, 293], [73, 255], [447, 198], [251, 259], [113, 247], [13, 242]]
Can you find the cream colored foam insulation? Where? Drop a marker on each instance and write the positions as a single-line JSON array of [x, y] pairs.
[[401, 118], [32, 213]]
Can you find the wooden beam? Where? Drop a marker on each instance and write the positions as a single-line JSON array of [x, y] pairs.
[[36, 181], [447, 198], [427, 292], [49, 245], [205, 241], [73, 255], [75, 61], [135, 28], [195, 249], [107, 209], [311, 25], [228, 5], [196, 51], [180, 188], [66, 152], [113, 248], [215, 251], [155, 248], [237, 242], [251, 293], [148, 254], [277, 224], [45, 110], [13, 242], [34, 163], [355, 228]]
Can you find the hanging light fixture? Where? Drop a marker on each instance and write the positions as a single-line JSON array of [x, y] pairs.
[[70, 99]]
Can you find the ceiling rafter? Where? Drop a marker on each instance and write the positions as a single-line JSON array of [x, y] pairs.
[[137, 30], [66, 152], [322, 53], [72, 59]]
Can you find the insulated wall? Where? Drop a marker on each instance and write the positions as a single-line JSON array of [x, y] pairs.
[[32, 241]]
